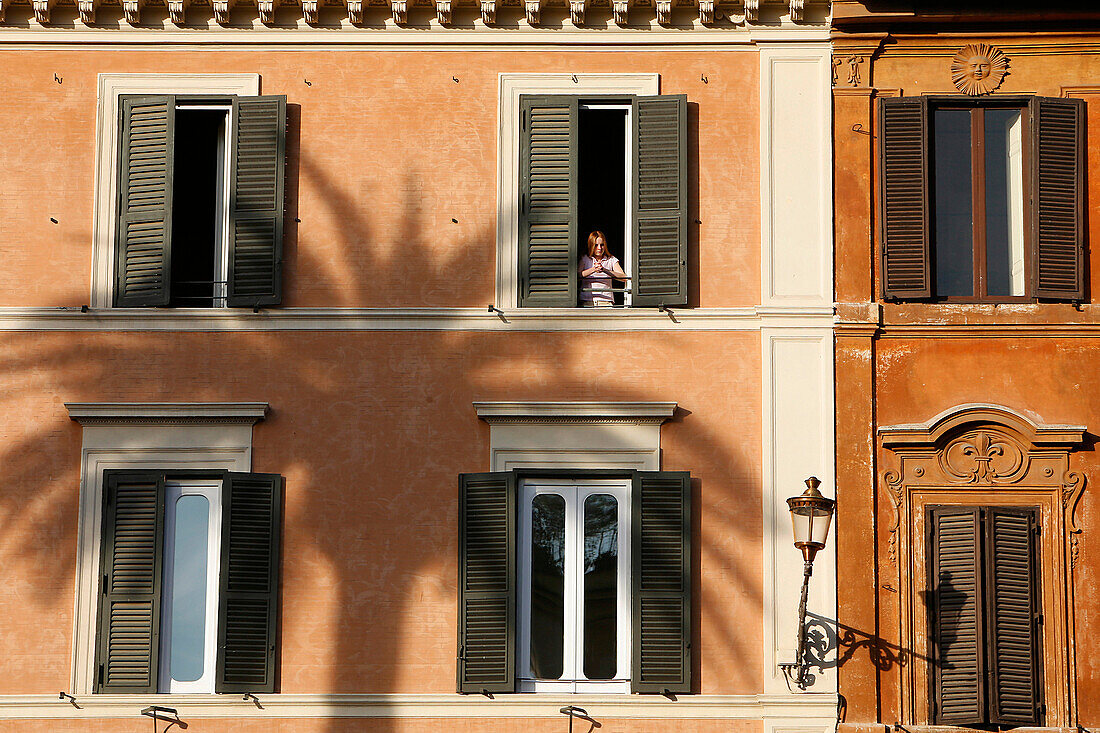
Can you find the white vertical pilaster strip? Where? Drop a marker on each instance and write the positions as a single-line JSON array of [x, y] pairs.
[[796, 212]]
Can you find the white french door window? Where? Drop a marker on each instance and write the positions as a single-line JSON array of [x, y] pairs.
[[574, 605], [189, 591]]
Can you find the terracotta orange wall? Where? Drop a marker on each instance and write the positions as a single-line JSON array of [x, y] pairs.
[[384, 150], [371, 430]]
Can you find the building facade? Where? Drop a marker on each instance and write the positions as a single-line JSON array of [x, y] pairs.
[[966, 329], [306, 425]]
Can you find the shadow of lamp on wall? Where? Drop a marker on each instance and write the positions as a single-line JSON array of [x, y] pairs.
[[811, 514]]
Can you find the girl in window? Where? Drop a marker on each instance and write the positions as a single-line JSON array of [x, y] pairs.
[[597, 269]]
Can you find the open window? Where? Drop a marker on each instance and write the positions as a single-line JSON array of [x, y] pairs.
[[200, 209], [614, 164]]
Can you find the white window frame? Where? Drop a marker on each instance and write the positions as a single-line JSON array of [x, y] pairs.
[[575, 492], [512, 86], [105, 213]]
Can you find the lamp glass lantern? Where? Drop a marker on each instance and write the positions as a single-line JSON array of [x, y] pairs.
[[811, 515]]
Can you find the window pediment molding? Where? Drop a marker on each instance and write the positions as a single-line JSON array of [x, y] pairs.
[[951, 422], [166, 413], [630, 413]]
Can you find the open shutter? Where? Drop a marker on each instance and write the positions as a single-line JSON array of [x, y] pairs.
[[904, 197], [486, 583], [548, 201], [661, 577], [131, 555], [256, 201], [248, 595], [660, 205], [143, 253], [1012, 616], [958, 688], [1058, 198]]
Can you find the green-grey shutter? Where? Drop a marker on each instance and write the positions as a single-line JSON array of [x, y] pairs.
[[548, 201], [1012, 613], [660, 201], [144, 238], [958, 669], [248, 595], [1058, 197], [256, 201], [131, 555], [486, 582], [661, 578], [904, 199]]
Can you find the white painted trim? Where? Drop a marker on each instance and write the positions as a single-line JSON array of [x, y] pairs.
[[796, 181], [558, 411], [92, 413], [106, 165], [176, 442], [511, 87], [804, 708], [412, 319]]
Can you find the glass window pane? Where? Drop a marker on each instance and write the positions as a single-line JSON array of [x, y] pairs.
[[1004, 201], [188, 584], [954, 223], [601, 555], [547, 585]]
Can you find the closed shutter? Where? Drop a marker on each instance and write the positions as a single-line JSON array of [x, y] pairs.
[[486, 583], [904, 201], [256, 202], [248, 596], [661, 577], [548, 201], [660, 205], [1058, 200], [957, 661], [143, 252], [131, 555], [1012, 615]]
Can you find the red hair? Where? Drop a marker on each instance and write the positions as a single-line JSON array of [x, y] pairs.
[[592, 243]]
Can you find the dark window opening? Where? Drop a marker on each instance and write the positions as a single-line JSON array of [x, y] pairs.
[[602, 169], [197, 274]]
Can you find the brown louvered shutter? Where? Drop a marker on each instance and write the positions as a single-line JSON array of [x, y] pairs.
[[548, 201], [256, 201], [486, 582], [143, 251], [1012, 610], [131, 555], [661, 577], [1058, 199], [904, 201], [660, 201], [958, 690], [248, 595]]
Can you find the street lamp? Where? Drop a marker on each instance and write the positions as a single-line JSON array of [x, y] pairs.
[[811, 514]]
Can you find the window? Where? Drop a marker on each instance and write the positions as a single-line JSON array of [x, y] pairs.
[[200, 208], [982, 200], [617, 164], [590, 593], [986, 648], [189, 582]]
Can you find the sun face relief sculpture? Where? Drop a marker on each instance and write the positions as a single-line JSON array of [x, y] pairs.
[[978, 69]]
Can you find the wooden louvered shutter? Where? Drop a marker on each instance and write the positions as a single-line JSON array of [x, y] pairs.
[[486, 583], [1058, 197], [660, 205], [904, 200], [661, 578], [143, 256], [548, 201], [958, 670], [256, 201], [248, 595], [131, 555], [1012, 613]]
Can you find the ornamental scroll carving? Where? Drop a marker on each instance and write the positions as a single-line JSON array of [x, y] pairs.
[[984, 457]]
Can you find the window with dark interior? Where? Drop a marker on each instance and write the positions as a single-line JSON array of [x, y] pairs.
[[614, 164], [200, 206], [982, 200], [985, 612], [575, 581]]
